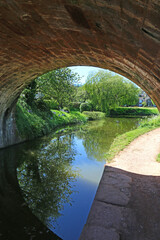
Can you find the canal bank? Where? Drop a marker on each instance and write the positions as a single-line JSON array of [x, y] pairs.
[[126, 205]]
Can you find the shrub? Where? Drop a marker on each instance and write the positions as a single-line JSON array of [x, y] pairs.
[[65, 109], [75, 106], [94, 115], [41, 105], [52, 104], [85, 107], [133, 111]]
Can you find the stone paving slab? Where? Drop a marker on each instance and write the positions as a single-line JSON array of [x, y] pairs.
[[105, 215], [114, 189], [99, 233]]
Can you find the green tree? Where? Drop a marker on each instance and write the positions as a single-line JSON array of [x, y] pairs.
[[81, 94], [106, 90], [30, 92], [58, 85]]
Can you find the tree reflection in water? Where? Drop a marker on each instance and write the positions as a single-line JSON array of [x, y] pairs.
[[98, 135], [16, 220], [45, 176]]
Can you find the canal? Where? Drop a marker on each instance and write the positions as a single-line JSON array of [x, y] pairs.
[[48, 185]]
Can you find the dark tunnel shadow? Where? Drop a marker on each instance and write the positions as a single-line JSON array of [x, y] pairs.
[[16, 219]]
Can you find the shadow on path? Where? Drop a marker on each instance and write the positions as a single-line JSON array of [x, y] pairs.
[[126, 207]]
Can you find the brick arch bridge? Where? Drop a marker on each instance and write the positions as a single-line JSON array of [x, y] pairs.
[[37, 36]]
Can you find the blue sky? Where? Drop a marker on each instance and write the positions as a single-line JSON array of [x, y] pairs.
[[83, 71]]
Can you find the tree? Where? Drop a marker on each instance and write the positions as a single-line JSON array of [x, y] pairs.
[[30, 92], [59, 85], [81, 94], [106, 90]]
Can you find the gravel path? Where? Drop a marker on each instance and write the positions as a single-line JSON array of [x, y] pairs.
[[139, 157], [127, 202]]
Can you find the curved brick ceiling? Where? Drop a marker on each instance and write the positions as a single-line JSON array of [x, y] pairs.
[[37, 36]]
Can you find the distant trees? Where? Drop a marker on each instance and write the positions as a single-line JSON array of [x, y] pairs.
[[105, 90], [59, 88]]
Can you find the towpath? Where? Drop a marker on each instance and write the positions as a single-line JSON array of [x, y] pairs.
[[127, 202]]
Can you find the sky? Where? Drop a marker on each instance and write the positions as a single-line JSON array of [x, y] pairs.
[[83, 71]]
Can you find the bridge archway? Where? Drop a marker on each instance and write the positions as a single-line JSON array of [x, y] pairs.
[[38, 36]]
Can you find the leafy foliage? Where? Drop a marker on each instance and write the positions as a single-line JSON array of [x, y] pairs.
[[58, 85], [106, 91], [94, 115], [133, 111], [30, 92], [33, 122], [75, 106], [81, 94], [85, 107]]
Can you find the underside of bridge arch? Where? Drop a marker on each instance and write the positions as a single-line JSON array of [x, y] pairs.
[[38, 36]]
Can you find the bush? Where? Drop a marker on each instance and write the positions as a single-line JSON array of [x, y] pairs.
[[65, 109], [75, 106], [151, 122], [133, 111], [41, 105], [85, 107], [94, 115], [32, 123], [51, 104]]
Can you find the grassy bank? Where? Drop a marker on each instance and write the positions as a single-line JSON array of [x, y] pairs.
[[94, 115], [120, 142], [33, 122], [133, 111]]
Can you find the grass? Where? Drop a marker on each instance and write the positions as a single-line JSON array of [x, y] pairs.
[[158, 158], [134, 111], [94, 115], [121, 141], [33, 122]]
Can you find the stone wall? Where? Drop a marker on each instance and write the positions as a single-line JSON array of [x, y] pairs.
[[38, 36]]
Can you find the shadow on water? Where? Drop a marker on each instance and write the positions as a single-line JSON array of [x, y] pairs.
[[16, 219]]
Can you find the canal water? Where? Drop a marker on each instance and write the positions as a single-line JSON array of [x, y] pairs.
[[48, 185]]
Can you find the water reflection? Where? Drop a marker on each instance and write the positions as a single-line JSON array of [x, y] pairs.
[[16, 220], [46, 176], [98, 135], [58, 176]]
